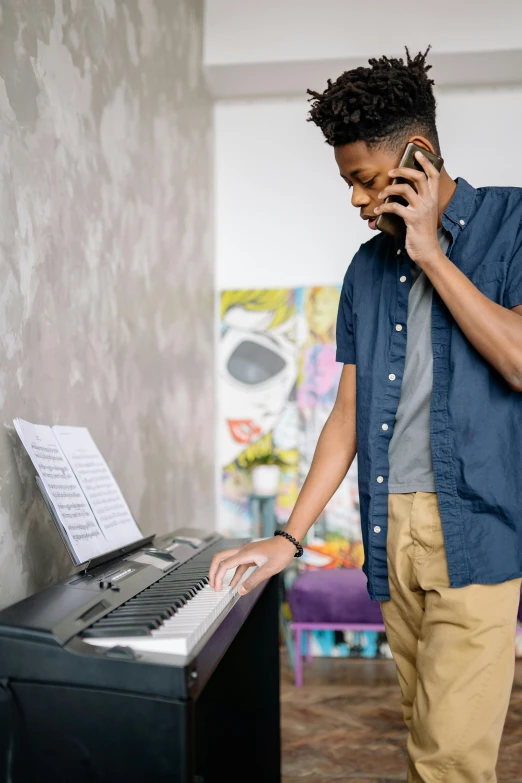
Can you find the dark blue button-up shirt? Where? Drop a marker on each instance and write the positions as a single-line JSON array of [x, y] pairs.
[[476, 418]]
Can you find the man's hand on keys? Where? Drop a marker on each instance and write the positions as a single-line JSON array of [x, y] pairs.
[[270, 556]]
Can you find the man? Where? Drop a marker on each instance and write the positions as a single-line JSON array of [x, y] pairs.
[[430, 335]]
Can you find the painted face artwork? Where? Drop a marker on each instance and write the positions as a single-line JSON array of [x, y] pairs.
[[278, 380], [257, 371], [320, 307]]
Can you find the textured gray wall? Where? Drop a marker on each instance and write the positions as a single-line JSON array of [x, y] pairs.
[[106, 281]]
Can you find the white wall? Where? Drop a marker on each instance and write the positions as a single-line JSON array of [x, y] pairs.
[[276, 47], [279, 30], [283, 214]]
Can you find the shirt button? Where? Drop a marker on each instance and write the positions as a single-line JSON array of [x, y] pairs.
[[399, 251], [402, 278], [385, 427], [462, 222], [380, 479], [392, 377], [376, 529], [398, 327]]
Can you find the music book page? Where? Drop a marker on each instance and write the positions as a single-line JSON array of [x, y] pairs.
[[64, 494], [99, 485]]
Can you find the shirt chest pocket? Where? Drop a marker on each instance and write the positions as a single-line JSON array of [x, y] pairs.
[[490, 279]]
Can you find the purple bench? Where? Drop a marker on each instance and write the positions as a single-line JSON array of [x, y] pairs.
[[330, 600], [333, 600]]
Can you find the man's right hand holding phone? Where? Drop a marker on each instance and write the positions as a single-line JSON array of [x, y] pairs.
[[421, 216]]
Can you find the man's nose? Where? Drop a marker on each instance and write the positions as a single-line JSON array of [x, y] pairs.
[[360, 198]]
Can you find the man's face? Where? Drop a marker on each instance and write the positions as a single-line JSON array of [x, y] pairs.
[[366, 172]]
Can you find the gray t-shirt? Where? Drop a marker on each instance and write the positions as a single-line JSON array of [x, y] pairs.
[[409, 455]]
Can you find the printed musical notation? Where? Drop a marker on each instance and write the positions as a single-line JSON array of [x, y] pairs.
[[79, 488], [64, 494], [98, 484]]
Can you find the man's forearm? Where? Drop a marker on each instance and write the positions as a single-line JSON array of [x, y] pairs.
[[333, 456], [494, 331]]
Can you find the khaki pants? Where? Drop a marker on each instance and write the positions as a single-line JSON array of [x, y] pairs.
[[454, 650]]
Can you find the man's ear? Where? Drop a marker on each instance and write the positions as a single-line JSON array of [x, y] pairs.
[[420, 141]]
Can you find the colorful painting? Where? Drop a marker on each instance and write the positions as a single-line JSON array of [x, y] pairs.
[[336, 535], [257, 400], [278, 381]]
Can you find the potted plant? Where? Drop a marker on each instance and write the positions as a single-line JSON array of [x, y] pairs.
[[265, 471]]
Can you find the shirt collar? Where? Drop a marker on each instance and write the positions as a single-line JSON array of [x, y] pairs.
[[456, 217], [459, 210]]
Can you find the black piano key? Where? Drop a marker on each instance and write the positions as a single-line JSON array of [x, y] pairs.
[[135, 621], [153, 611], [181, 585], [179, 603], [151, 604], [169, 599], [185, 595], [151, 607], [198, 584], [91, 633], [152, 597], [156, 614], [145, 623], [165, 592], [160, 587], [176, 603], [188, 592]]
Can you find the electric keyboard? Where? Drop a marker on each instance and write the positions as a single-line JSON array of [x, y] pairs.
[[137, 670]]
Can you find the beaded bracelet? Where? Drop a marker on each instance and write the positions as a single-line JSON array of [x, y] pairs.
[[294, 541]]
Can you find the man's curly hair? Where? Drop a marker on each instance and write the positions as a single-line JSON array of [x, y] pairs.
[[380, 104]]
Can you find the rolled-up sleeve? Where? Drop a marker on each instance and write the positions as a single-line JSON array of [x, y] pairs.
[[513, 289], [345, 333]]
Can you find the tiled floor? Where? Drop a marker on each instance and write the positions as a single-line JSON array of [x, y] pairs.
[[345, 725]]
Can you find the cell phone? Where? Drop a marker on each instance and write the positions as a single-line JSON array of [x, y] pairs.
[[393, 224]]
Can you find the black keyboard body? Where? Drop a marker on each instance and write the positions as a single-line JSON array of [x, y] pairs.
[[77, 713]]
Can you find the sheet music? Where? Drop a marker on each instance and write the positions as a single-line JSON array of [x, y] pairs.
[[99, 486], [63, 491]]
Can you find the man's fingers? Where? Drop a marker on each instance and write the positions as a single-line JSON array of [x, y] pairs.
[[262, 573], [240, 570], [420, 178], [427, 165], [216, 560], [412, 174], [404, 190], [432, 174], [396, 208], [243, 557], [229, 563]]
